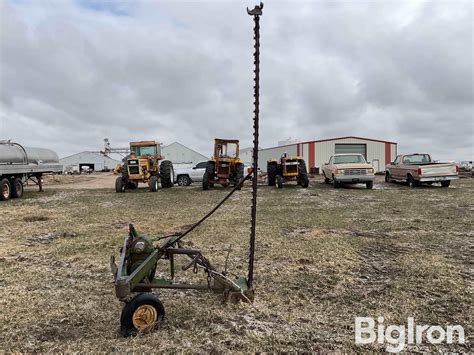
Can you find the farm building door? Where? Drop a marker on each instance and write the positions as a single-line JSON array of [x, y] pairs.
[[348, 148], [375, 164]]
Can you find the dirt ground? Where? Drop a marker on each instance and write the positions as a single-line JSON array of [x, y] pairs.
[[324, 256]]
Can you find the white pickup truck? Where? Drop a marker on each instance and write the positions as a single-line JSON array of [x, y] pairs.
[[185, 176]]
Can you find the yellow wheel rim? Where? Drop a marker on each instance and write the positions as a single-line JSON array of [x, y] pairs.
[[144, 316]]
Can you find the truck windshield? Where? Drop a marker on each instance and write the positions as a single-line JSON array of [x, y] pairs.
[[226, 150], [143, 150], [349, 159], [416, 159]]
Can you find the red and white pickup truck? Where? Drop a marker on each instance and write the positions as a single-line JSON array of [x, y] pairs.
[[416, 169]]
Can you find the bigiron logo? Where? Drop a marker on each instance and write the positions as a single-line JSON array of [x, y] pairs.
[[396, 337]]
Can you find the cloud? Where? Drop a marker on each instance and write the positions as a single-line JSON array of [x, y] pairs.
[[75, 72]]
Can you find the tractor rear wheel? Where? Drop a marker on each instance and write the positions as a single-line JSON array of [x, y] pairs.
[[303, 174], [208, 176], [279, 181], [119, 185], [142, 313], [272, 170], [166, 174], [17, 188], [153, 183], [239, 174]]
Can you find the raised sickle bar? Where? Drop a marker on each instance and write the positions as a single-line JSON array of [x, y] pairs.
[[256, 13]]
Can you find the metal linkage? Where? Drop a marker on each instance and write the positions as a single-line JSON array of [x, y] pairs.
[[256, 13]]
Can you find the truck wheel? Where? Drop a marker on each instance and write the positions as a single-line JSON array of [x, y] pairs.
[[272, 171], [166, 174], [411, 182], [239, 174], [5, 190], [369, 184], [326, 180], [143, 312], [279, 182], [335, 183], [153, 183], [119, 185], [184, 180], [445, 183], [17, 188], [387, 177], [303, 174]]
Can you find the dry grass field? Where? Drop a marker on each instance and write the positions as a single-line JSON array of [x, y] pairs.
[[324, 256]]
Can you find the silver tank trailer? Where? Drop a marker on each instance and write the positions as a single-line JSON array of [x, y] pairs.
[[14, 153]]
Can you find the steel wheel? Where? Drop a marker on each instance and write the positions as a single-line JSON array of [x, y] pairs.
[[142, 313], [183, 180], [144, 316]]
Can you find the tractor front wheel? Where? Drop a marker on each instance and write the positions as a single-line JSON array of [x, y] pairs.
[[166, 174], [153, 183], [119, 185], [142, 313], [279, 181]]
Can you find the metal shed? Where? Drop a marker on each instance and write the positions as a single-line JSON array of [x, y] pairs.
[[92, 160], [316, 153]]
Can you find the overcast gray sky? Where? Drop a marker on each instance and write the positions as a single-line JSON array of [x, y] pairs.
[[76, 71]]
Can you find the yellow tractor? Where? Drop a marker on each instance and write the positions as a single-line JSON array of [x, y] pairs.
[[287, 169], [225, 167], [142, 165]]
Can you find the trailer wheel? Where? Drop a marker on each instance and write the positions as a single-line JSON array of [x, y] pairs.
[[17, 188], [119, 185], [142, 313], [153, 183], [279, 181], [5, 190]]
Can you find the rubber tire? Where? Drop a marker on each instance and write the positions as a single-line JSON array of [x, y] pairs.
[[303, 174], [183, 180], [125, 168], [153, 183], [445, 183], [278, 181], [208, 175], [326, 180], [272, 171], [411, 182], [335, 183], [166, 174], [239, 174], [369, 184], [17, 188], [126, 318], [119, 185], [5, 185]]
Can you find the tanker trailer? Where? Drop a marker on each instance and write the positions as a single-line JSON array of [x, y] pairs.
[[19, 164]]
